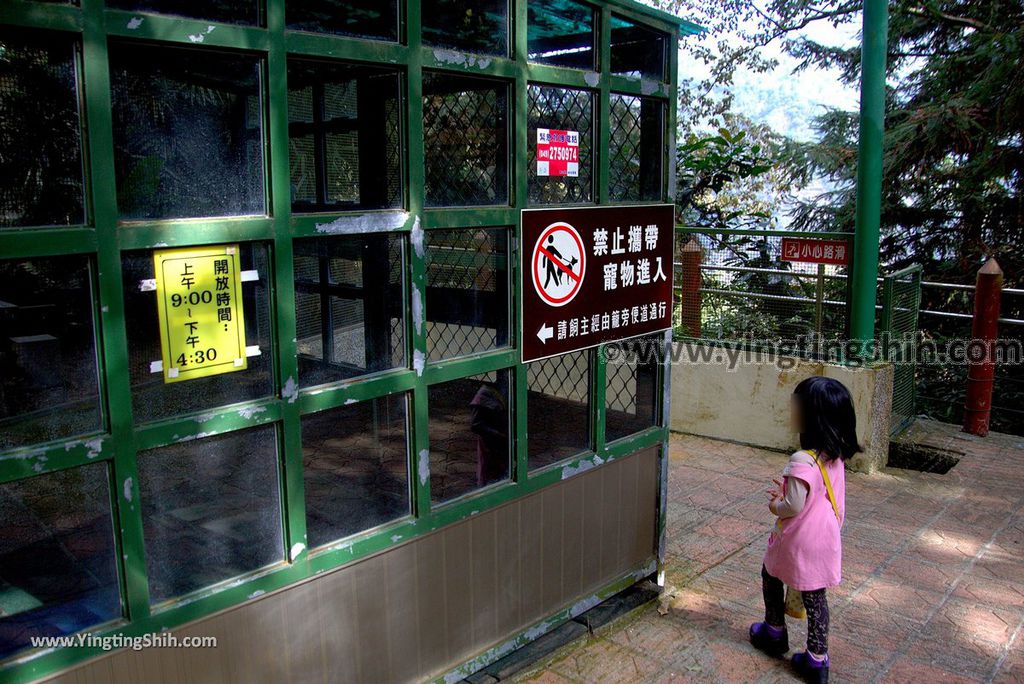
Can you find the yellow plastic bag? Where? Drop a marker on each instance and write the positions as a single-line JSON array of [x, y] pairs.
[[795, 604]]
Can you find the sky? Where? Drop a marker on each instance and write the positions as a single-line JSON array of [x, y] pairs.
[[785, 99]]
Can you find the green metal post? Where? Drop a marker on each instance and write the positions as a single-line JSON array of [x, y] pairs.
[[869, 174]]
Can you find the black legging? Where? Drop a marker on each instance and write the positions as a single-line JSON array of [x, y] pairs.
[[814, 601]]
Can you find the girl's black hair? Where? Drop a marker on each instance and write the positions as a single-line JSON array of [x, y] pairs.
[[829, 421]]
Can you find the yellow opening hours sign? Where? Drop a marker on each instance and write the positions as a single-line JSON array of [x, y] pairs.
[[199, 301]]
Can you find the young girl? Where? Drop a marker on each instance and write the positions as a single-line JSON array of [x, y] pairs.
[[805, 550]]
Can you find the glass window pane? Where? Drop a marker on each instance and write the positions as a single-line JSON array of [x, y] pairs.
[[558, 408], [479, 26], [227, 11], [467, 291], [211, 510], [469, 434], [465, 134], [40, 141], [49, 386], [355, 466], [636, 148], [57, 558], [361, 18], [349, 306], [561, 33], [152, 399], [344, 136], [637, 50], [187, 132], [631, 386], [567, 110]]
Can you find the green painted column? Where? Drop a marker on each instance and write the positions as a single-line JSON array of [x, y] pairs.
[[869, 172]]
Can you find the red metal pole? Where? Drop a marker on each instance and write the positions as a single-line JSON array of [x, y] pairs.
[[984, 328], [690, 257]]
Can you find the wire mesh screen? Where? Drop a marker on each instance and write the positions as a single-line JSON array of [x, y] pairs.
[[567, 110], [736, 288], [344, 136], [188, 132], [40, 143], [558, 408], [563, 377], [631, 385], [348, 306], [467, 291], [635, 152], [465, 135], [902, 296], [227, 11], [470, 433]]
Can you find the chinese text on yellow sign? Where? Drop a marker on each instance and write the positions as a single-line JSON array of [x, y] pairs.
[[202, 331]]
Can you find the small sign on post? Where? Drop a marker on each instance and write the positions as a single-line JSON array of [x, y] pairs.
[[199, 303], [815, 251], [558, 153], [594, 275]]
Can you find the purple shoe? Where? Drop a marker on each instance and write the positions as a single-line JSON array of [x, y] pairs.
[[811, 670], [771, 640]]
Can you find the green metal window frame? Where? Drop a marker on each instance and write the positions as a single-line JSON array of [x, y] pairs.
[[104, 239]]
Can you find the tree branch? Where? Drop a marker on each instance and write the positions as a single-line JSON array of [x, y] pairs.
[[930, 11]]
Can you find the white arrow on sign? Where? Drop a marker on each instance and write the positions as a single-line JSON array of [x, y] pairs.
[[545, 333]]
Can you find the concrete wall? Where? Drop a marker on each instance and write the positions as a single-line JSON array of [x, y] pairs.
[[749, 403]]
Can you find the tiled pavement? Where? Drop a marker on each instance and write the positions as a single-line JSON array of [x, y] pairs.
[[933, 586]]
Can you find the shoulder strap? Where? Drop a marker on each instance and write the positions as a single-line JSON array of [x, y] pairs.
[[828, 485]]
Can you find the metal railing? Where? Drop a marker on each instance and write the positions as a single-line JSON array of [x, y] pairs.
[[946, 313], [733, 287]]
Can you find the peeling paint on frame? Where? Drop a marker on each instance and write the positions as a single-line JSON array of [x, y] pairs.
[[381, 222], [290, 391], [423, 467], [456, 58], [417, 236], [416, 304]]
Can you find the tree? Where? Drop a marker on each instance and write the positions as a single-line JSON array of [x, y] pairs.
[[954, 152], [726, 179]]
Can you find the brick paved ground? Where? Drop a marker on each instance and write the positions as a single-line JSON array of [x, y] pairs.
[[933, 585]]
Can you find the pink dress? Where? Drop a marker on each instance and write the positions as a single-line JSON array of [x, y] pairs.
[[806, 551]]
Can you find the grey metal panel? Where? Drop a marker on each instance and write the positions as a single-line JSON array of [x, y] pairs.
[[417, 610]]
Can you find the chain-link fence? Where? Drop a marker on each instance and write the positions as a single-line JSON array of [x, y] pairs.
[[735, 287]]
